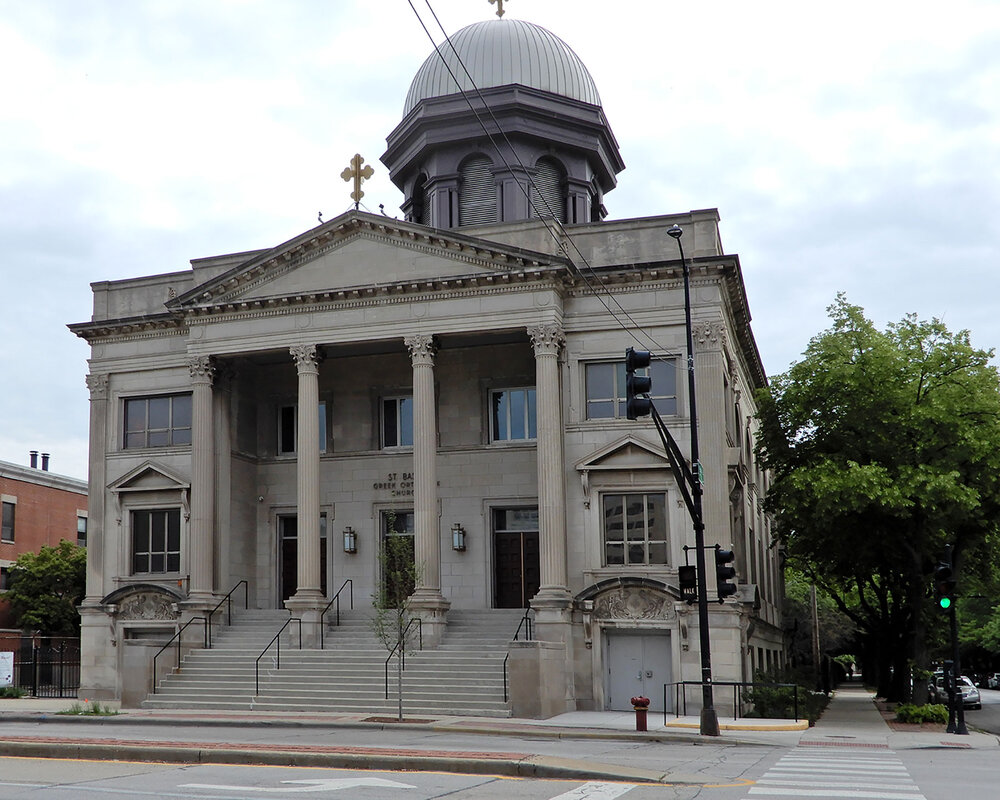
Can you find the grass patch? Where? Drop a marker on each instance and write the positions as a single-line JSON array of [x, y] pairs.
[[88, 709]]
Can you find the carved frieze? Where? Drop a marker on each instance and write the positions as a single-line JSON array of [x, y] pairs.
[[146, 605], [633, 602]]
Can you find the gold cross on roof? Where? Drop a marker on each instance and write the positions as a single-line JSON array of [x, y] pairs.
[[357, 173], [499, 5]]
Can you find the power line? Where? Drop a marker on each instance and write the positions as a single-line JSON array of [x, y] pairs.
[[528, 195]]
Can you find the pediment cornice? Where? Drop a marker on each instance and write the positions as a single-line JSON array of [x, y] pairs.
[[487, 260]]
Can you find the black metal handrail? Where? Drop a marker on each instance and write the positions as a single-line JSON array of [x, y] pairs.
[[526, 624], [401, 646], [277, 649], [680, 695], [228, 600], [335, 599], [178, 636]]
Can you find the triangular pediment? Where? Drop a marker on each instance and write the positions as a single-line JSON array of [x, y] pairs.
[[628, 453], [361, 253], [148, 477]]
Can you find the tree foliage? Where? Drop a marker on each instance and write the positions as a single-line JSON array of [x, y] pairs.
[[884, 446], [46, 587]]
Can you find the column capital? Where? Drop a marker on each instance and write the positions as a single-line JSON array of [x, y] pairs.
[[98, 386], [202, 369], [547, 339], [712, 334], [307, 357], [422, 349]]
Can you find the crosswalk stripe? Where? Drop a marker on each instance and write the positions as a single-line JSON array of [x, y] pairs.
[[839, 794], [837, 775], [595, 790]]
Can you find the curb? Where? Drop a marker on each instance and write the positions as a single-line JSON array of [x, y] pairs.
[[512, 765]]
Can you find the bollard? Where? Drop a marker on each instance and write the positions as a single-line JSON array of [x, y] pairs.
[[640, 705]]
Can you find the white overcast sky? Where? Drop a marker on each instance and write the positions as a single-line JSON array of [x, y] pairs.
[[848, 147]]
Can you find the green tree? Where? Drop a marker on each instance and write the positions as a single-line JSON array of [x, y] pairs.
[[46, 587], [884, 446], [398, 575]]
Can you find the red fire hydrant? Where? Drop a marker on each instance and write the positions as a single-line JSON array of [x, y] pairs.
[[641, 706]]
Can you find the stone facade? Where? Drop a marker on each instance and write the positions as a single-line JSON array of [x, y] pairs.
[[197, 428], [460, 370]]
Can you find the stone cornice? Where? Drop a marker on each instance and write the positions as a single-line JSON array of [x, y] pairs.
[[330, 235]]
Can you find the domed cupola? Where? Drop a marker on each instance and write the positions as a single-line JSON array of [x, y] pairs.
[[549, 152]]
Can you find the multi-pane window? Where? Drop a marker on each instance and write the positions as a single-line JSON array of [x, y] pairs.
[[158, 421], [606, 395], [397, 421], [288, 428], [635, 529], [156, 540], [81, 531], [512, 415], [7, 530]]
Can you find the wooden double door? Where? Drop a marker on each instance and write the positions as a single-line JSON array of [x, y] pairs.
[[517, 573]]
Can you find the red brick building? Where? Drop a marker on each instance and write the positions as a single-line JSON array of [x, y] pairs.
[[38, 508]]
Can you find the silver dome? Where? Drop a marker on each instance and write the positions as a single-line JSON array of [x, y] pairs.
[[500, 52]]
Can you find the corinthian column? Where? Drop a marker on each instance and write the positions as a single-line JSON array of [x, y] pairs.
[[427, 601], [201, 561], [96, 480], [307, 448], [553, 592]]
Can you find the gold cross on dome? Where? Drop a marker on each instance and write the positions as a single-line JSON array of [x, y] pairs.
[[357, 173], [499, 5]]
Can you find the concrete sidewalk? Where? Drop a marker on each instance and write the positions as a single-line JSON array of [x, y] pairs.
[[851, 720]]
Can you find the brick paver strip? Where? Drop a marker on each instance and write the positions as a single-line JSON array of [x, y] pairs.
[[282, 748]]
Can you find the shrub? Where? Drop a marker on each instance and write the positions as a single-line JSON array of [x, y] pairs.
[[11, 691], [773, 702], [931, 712]]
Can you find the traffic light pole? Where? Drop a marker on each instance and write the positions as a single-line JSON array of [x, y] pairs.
[[956, 697]]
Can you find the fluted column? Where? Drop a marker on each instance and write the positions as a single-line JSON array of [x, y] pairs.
[[427, 544], [547, 341], [427, 601], [307, 447], [96, 483], [201, 559]]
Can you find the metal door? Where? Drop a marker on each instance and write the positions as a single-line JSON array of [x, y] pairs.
[[636, 664]]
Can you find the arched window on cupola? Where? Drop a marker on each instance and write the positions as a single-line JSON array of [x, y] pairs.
[[548, 195], [477, 199], [419, 212]]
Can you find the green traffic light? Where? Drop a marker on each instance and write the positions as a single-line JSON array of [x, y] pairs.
[[945, 603]]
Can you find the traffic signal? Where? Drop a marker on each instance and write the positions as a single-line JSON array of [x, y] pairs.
[[944, 585], [724, 573], [687, 576], [635, 385]]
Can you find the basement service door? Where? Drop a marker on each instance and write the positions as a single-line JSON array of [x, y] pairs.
[[636, 663]]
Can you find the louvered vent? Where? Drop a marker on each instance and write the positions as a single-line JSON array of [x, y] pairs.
[[547, 193], [477, 204]]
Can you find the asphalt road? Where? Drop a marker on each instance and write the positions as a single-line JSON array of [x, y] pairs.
[[755, 773], [987, 718]]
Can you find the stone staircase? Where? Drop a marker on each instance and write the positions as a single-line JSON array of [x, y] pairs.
[[463, 675]]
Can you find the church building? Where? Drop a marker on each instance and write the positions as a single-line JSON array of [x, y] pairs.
[[455, 377]]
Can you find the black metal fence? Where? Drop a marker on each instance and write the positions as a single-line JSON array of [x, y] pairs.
[[48, 666], [736, 692]]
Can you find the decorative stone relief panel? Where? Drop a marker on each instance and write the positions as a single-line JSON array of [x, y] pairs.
[[147, 605], [633, 602]]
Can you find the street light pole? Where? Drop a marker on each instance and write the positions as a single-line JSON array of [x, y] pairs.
[[709, 718]]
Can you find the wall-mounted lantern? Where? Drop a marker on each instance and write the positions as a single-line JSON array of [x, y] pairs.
[[457, 537], [350, 540]]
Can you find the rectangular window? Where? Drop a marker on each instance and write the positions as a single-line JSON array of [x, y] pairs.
[[288, 428], [156, 541], [81, 531], [4, 579], [162, 421], [606, 388], [397, 422], [513, 415], [7, 531], [635, 529]]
